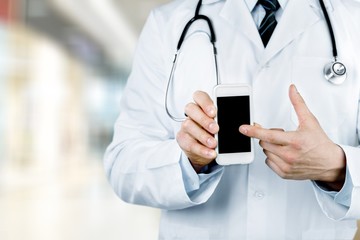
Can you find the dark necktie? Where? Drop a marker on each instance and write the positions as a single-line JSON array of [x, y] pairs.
[[268, 24]]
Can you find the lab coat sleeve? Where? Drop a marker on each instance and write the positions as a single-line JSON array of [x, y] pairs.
[[346, 203], [144, 162], [342, 197], [192, 180]]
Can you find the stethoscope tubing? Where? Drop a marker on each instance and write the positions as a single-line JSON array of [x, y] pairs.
[[331, 31], [334, 72]]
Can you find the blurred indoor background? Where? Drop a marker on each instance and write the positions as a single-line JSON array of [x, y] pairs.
[[63, 65]]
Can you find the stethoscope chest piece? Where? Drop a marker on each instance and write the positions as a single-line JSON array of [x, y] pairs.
[[335, 72]]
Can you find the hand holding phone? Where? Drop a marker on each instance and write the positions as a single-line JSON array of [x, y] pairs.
[[196, 135], [234, 107]]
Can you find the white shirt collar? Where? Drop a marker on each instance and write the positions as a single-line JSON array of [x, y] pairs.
[[252, 3]]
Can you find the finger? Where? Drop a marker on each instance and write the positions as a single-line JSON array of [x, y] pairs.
[[206, 104], [274, 148], [194, 112], [279, 166], [198, 133], [193, 148], [273, 166], [267, 135], [300, 107]]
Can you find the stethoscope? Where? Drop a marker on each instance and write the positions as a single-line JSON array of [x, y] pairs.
[[334, 72]]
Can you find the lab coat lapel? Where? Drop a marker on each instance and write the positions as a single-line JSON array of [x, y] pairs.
[[298, 16], [238, 15]]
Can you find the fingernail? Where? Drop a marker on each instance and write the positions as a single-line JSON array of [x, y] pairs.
[[212, 126], [211, 111], [210, 142], [243, 129], [211, 154]]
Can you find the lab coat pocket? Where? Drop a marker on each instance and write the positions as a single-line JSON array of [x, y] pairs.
[[328, 102]]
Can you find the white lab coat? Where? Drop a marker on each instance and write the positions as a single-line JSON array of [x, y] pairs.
[[240, 201]]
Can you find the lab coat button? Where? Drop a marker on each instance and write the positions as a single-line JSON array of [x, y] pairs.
[[259, 194]]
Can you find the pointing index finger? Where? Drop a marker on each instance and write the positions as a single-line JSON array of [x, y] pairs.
[[272, 136]]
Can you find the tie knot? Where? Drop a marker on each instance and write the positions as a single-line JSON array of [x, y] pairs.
[[269, 5]]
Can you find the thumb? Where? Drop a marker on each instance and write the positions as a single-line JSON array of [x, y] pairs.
[[302, 111]]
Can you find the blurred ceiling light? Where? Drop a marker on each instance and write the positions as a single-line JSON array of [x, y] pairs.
[[106, 24]]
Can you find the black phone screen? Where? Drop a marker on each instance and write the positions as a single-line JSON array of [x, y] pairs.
[[233, 111]]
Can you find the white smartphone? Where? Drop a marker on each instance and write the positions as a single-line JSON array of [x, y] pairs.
[[234, 108]]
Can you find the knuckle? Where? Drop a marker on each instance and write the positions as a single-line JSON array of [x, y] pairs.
[[180, 136], [185, 141], [189, 147], [271, 137], [197, 94], [286, 170], [187, 124], [289, 157], [188, 108], [296, 144], [181, 139]]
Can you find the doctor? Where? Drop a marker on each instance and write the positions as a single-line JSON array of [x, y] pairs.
[[304, 182]]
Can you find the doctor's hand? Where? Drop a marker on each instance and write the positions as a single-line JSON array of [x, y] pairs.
[[306, 153], [196, 136]]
